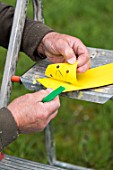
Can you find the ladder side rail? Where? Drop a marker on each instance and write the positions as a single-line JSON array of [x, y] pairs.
[[38, 10], [13, 50]]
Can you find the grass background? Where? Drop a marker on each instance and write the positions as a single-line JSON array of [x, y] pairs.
[[83, 130]]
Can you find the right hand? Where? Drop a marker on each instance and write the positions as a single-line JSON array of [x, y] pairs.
[[30, 114], [61, 48]]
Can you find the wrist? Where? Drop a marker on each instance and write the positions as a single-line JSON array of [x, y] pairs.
[[41, 47], [14, 115], [8, 128]]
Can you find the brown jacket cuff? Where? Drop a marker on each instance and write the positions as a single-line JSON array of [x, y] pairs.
[[8, 128], [34, 31]]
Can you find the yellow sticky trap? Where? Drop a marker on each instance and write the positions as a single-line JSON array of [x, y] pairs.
[[64, 74]]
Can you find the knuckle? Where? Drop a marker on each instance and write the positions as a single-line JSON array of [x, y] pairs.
[[43, 92], [85, 67], [87, 54], [44, 116], [59, 44], [43, 125], [58, 104], [82, 69], [28, 96], [60, 41], [78, 41], [54, 115]]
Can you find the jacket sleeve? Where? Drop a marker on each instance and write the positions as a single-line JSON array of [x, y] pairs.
[[33, 32], [8, 128]]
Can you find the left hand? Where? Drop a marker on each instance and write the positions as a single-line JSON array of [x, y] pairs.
[[32, 115], [64, 48]]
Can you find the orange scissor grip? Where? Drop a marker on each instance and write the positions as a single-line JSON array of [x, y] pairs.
[[15, 79]]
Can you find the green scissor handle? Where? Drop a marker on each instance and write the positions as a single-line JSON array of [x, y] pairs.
[[53, 94]]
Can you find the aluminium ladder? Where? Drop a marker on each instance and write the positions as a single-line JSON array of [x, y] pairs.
[[98, 95]]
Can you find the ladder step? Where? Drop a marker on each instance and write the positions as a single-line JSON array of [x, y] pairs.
[[15, 163], [97, 95]]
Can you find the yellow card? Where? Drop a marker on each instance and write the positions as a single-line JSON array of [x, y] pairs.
[[64, 74]]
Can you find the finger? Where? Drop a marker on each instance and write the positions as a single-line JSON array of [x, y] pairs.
[[55, 58], [83, 68], [49, 108], [82, 52], [64, 49], [51, 117], [41, 125], [83, 57], [52, 106], [82, 60]]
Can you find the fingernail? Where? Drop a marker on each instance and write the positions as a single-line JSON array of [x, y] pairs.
[[72, 60], [50, 90]]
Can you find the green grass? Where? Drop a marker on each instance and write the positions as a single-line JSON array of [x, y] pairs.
[[83, 130]]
